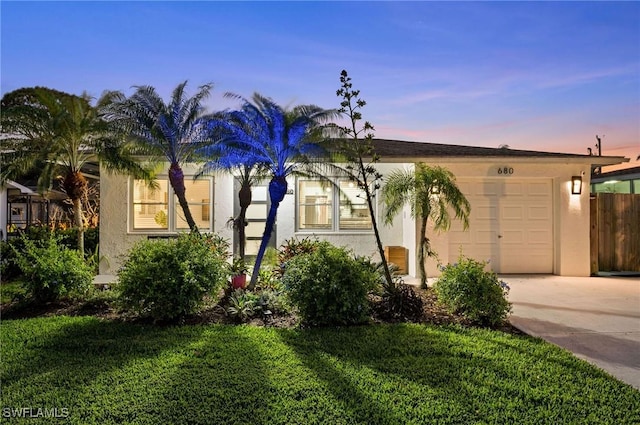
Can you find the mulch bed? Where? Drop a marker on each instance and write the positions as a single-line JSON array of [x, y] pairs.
[[433, 313]]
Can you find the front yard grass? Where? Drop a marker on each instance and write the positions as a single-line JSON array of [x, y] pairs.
[[107, 372]]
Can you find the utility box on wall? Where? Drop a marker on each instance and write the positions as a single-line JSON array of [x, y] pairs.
[[397, 255]]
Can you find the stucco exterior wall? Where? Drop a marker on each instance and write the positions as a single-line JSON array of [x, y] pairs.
[[571, 221], [116, 237], [362, 242], [571, 215]]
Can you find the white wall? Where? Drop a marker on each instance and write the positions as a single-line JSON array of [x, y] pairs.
[[363, 243], [571, 215], [116, 238]]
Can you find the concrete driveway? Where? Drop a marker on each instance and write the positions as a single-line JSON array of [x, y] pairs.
[[596, 318]]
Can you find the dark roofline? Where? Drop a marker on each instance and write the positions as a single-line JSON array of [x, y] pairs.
[[628, 173], [403, 149]]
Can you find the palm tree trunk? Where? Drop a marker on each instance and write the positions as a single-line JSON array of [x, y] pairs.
[[423, 247], [277, 190], [244, 196], [176, 178], [75, 185], [79, 223]]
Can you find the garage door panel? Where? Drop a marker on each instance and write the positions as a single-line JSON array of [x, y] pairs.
[[459, 237], [485, 236], [511, 237], [539, 213], [537, 262], [465, 187], [511, 224], [513, 212], [514, 189], [485, 213], [539, 237], [488, 188], [541, 189]]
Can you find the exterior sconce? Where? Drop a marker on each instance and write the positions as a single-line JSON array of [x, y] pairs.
[[576, 185], [435, 190]]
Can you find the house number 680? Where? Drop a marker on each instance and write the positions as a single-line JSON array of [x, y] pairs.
[[505, 170]]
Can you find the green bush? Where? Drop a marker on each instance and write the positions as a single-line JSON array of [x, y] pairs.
[[466, 288], [40, 235], [51, 270], [167, 279], [329, 286], [399, 302], [292, 248]]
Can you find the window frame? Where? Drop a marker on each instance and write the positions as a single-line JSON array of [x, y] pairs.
[[173, 207], [334, 205]]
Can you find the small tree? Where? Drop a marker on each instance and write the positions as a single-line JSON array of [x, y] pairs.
[[55, 134], [225, 155], [277, 140], [358, 152], [174, 131], [430, 191]]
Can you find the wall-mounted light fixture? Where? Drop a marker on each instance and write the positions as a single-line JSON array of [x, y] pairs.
[[576, 185], [435, 190]]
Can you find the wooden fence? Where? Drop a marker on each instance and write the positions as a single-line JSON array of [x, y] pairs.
[[615, 232]]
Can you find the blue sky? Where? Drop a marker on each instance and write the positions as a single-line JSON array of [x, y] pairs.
[[542, 76]]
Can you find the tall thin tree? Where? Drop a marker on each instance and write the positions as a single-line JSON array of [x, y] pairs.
[[357, 149]]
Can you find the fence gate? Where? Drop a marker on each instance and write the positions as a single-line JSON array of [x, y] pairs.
[[615, 232]]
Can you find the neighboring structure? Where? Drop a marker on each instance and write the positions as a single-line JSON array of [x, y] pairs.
[[22, 207], [619, 181], [529, 210]]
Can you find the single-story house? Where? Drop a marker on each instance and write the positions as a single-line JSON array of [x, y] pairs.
[[529, 210], [23, 206], [618, 181]]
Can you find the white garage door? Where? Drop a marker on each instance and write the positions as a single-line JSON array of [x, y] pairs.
[[511, 224]]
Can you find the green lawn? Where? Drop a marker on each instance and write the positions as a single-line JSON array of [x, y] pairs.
[[110, 373]]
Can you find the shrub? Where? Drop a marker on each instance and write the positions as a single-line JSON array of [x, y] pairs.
[[242, 305], [167, 279], [400, 302], [40, 235], [269, 279], [466, 288], [292, 248], [51, 270], [329, 286]]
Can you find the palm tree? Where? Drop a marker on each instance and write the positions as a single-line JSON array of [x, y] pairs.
[[55, 134], [280, 141], [430, 191], [172, 131], [245, 171]]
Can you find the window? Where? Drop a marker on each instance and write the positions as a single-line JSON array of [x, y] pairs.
[[159, 210], [315, 200], [321, 204], [354, 211], [613, 186]]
